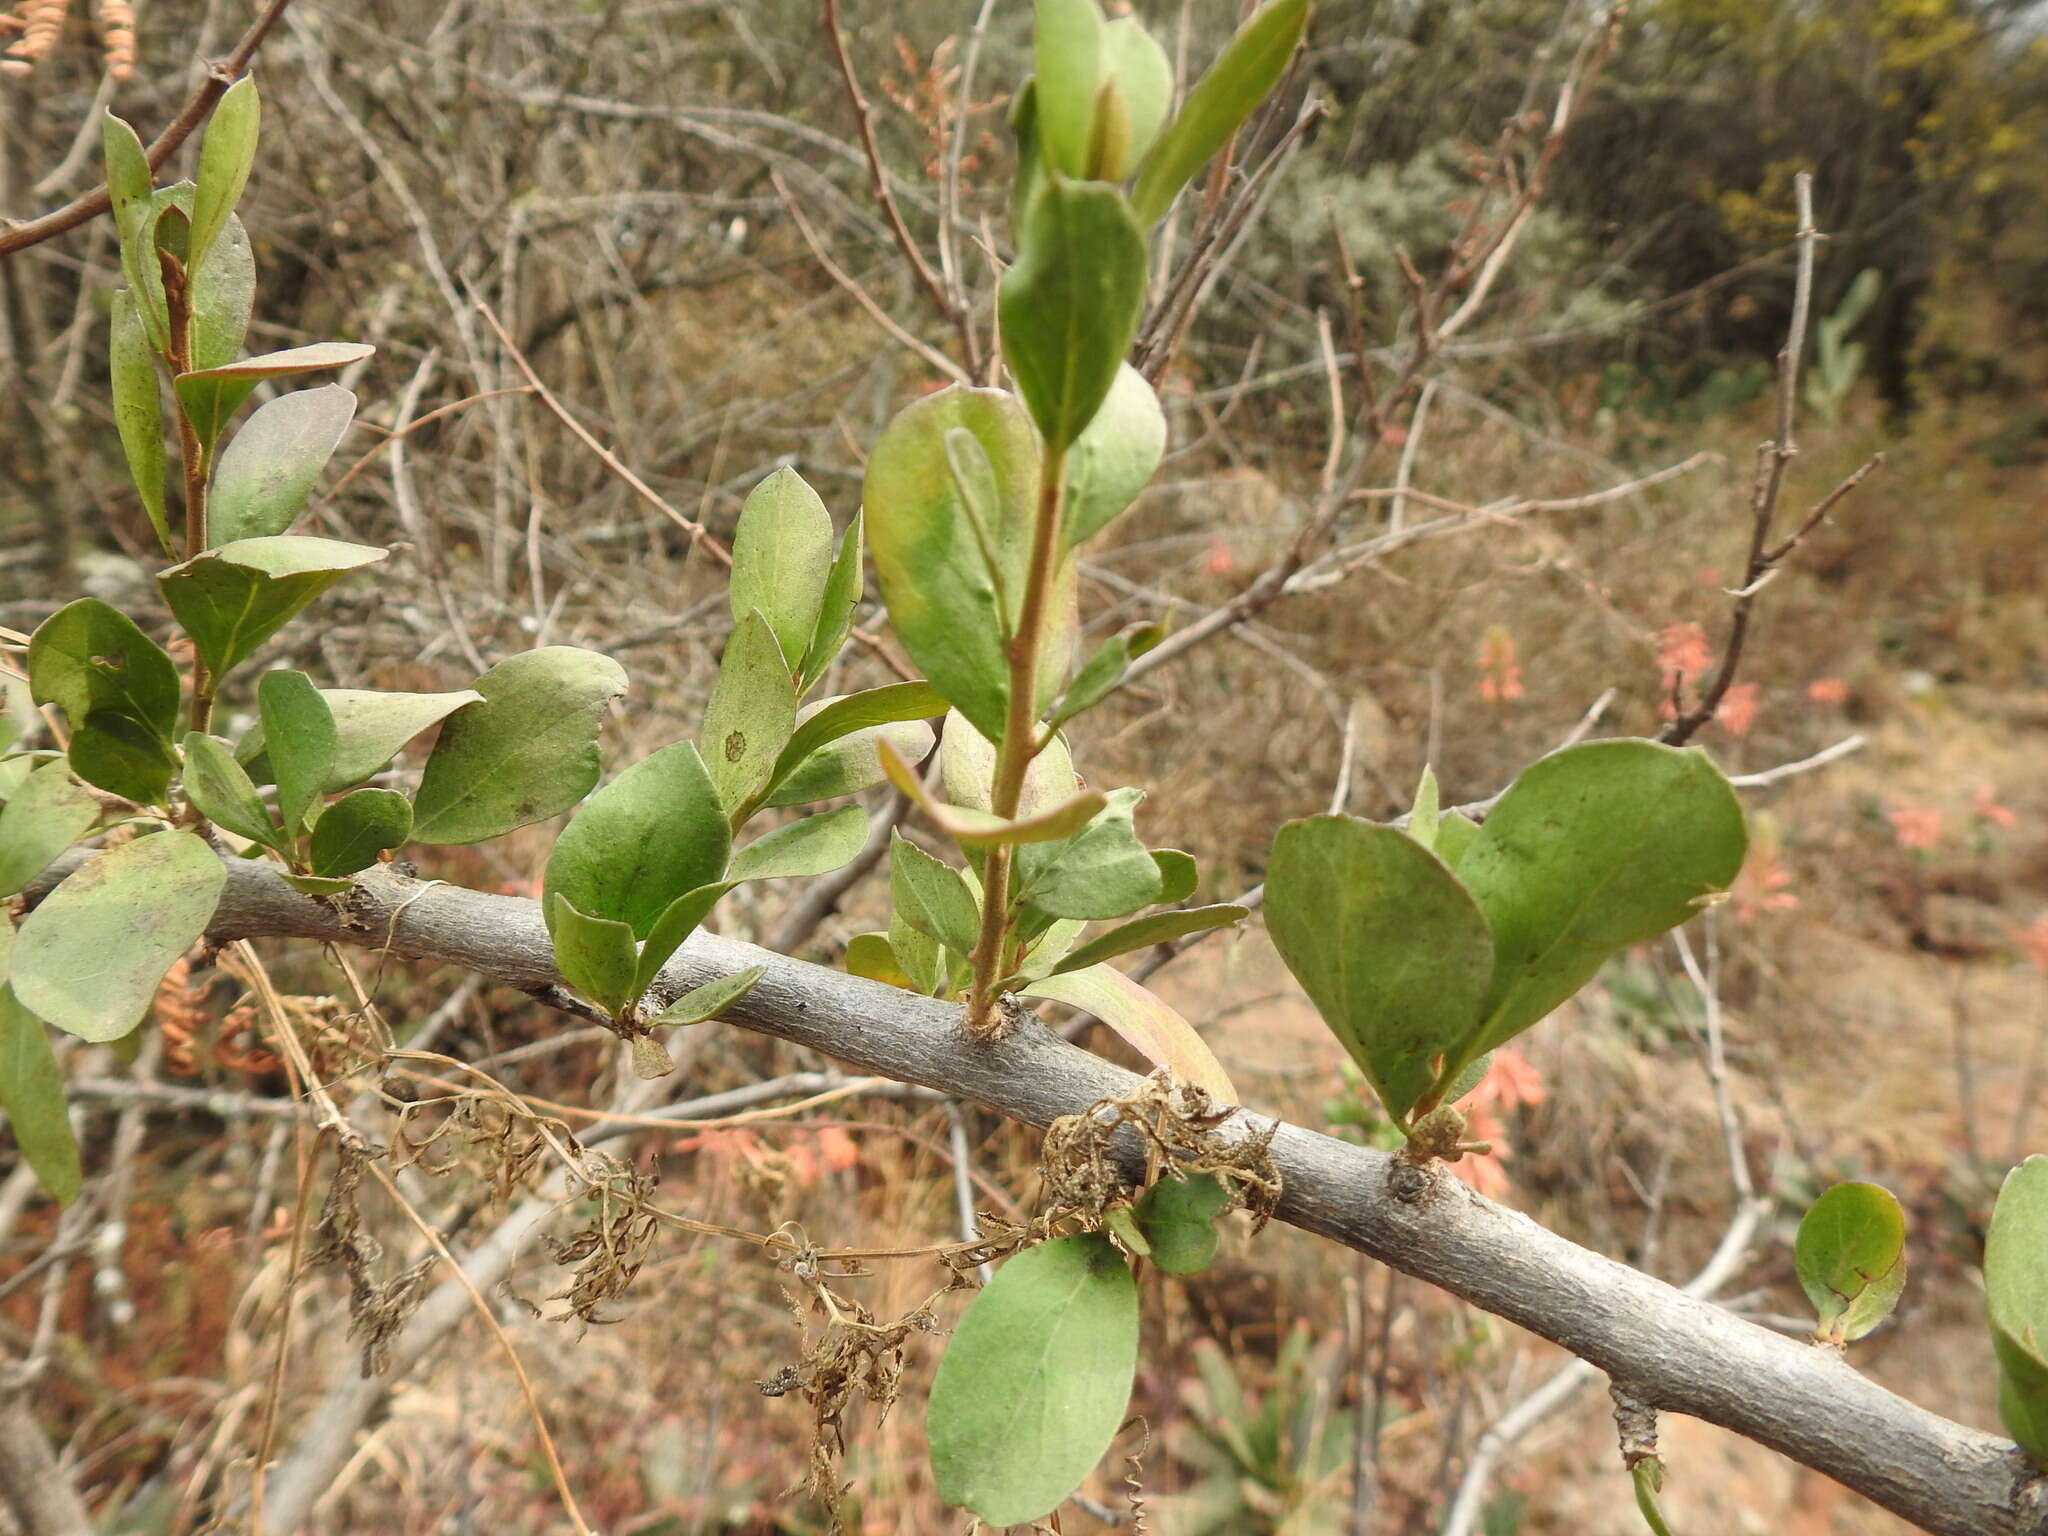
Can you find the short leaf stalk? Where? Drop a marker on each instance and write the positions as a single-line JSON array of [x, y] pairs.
[[1020, 744]]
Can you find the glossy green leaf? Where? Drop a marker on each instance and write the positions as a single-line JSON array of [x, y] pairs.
[[782, 559], [528, 751], [267, 472], [1067, 53], [138, 413], [654, 833], [353, 831], [830, 720], [1070, 304], [1144, 932], [1115, 457], [932, 897], [1143, 77], [595, 955], [752, 712], [87, 658], [211, 396], [89, 959], [851, 764], [2016, 1299], [1034, 1384], [1102, 871], [232, 599], [45, 816], [816, 845], [707, 1002], [1594, 849], [225, 795], [1179, 1221], [32, 1089], [1390, 948], [300, 737], [369, 728], [673, 927], [1851, 1259], [1143, 1021], [1248, 69], [933, 578], [122, 756], [843, 585], [225, 156]]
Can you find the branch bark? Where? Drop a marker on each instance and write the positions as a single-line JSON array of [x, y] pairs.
[[1674, 1352]]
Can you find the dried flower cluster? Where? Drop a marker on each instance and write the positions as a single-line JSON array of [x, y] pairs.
[[36, 25]]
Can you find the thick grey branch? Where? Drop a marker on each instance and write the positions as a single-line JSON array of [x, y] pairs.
[[1672, 1351]]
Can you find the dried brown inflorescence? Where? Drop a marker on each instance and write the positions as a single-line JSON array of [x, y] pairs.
[[37, 24]]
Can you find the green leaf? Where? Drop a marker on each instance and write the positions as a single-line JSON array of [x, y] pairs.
[[2022, 1396], [1159, 928], [1070, 304], [32, 1089], [222, 295], [138, 413], [44, 817], [122, 756], [232, 599], [851, 764], [816, 845], [222, 793], [1104, 669], [1067, 52], [87, 658], [835, 609], [356, 828], [1030, 175], [212, 395], [782, 559], [654, 833], [1648, 1476], [1029, 1394], [369, 729], [225, 156], [1143, 1021], [1043, 956], [981, 830], [871, 955], [967, 771], [1101, 871], [267, 471], [1427, 815], [752, 712], [673, 927], [707, 1002], [1594, 849], [932, 897], [1143, 75], [1455, 834], [528, 751], [938, 589], [1178, 874], [1851, 1258], [89, 959], [2015, 1279], [300, 737], [1222, 99], [595, 955], [129, 182], [1392, 951], [1179, 1220], [923, 958], [830, 720], [1115, 457], [318, 885]]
